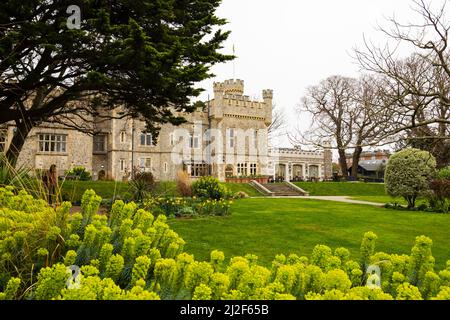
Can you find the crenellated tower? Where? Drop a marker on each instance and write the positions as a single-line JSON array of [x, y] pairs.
[[268, 101], [230, 101]]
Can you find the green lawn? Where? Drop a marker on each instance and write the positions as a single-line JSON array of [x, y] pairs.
[[245, 187], [73, 190], [342, 188], [387, 199], [267, 227]]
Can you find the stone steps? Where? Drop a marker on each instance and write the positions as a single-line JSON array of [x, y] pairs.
[[281, 190]]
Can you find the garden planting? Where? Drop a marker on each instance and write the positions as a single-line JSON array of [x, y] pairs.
[[130, 253]]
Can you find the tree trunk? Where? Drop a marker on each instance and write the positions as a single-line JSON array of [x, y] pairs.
[[355, 161], [22, 131], [343, 163]]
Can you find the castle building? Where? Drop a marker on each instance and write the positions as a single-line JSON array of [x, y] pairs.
[[227, 138]]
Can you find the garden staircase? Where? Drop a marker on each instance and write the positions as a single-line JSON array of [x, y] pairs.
[[286, 189]]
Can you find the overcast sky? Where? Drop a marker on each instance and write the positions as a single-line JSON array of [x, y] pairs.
[[288, 45]]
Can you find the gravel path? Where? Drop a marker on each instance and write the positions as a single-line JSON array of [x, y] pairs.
[[345, 199]]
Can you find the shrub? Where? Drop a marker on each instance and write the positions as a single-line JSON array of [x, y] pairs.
[[187, 207], [79, 173], [209, 188], [131, 255], [183, 184], [408, 174], [444, 173], [141, 185], [439, 200], [16, 176], [240, 195]]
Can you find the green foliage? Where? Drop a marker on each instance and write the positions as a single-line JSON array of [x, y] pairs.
[[409, 173], [444, 173], [188, 207], [141, 186], [15, 176], [132, 255], [209, 188], [439, 200], [168, 47], [79, 173]]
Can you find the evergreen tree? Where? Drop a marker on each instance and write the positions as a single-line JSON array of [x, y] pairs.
[[145, 55]]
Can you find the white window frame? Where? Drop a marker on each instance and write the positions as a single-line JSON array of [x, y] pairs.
[[253, 169], [145, 163], [52, 143], [231, 137], [146, 139], [242, 169], [194, 142]]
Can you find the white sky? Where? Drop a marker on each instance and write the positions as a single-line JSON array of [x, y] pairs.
[[288, 45]]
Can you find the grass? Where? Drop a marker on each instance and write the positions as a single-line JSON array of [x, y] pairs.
[[342, 188], [267, 227], [387, 199], [245, 187], [74, 190]]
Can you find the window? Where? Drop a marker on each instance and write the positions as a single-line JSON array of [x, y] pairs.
[[194, 142], [146, 139], [3, 135], [231, 138], [100, 143], [255, 138], [52, 142], [171, 139], [122, 165], [199, 169], [165, 167], [123, 136], [253, 169], [242, 169], [146, 163]]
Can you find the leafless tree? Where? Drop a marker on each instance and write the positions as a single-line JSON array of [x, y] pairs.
[[348, 112], [278, 126], [330, 104], [416, 87], [370, 116]]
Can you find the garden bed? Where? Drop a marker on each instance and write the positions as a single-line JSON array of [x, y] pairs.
[[262, 180]]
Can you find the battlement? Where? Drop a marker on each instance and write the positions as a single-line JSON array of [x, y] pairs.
[[230, 87], [268, 94], [295, 152]]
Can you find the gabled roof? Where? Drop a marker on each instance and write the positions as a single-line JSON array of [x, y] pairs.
[[372, 165]]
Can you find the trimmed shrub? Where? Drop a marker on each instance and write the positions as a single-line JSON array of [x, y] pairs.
[[209, 188], [79, 173], [409, 173]]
